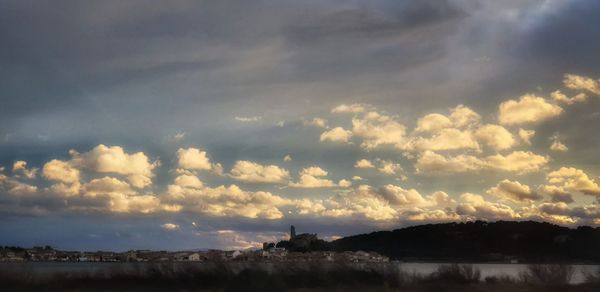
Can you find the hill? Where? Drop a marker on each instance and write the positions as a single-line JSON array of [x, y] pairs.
[[480, 241]]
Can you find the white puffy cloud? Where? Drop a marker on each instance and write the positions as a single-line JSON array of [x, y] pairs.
[[344, 183], [475, 206], [573, 179], [313, 177], [107, 185], [528, 109], [396, 195], [189, 181], [577, 82], [377, 130], [557, 144], [364, 163], [314, 171], [526, 135], [518, 161], [14, 187], [351, 108], [388, 202], [495, 136], [337, 134], [62, 171], [113, 159], [193, 158], [514, 191], [309, 181], [446, 139], [316, 122], [431, 162], [389, 167], [562, 98], [287, 158], [433, 123], [229, 201], [249, 171], [20, 168], [114, 195], [357, 178], [462, 116]]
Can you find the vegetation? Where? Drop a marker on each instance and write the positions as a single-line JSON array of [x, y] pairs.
[[307, 277], [481, 241]]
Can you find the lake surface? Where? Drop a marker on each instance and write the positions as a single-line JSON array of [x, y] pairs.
[[487, 269]]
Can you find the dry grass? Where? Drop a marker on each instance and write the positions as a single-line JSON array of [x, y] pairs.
[[301, 277]]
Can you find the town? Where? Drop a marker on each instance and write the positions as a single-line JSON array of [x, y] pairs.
[[294, 250]]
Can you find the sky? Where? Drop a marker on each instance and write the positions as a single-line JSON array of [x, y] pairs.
[[218, 124]]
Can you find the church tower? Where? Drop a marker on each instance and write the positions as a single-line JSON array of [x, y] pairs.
[[292, 232]]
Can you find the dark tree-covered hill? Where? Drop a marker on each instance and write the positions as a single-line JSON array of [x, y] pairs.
[[481, 241]]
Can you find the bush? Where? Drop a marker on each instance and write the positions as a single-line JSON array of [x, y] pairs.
[[548, 274], [593, 277], [456, 274]]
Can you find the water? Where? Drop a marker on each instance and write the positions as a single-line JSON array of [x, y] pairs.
[[511, 270], [49, 268]]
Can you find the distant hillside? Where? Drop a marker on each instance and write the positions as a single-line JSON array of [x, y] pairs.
[[481, 241]]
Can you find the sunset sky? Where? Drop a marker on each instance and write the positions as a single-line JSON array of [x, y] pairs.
[[217, 124]]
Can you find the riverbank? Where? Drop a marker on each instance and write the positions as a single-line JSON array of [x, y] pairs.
[[290, 276]]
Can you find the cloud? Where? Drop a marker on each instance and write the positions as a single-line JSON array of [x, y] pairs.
[[114, 195], [577, 82], [475, 206], [519, 162], [446, 139], [399, 196], [113, 159], [573, 179], [20, 168], [231, 201], [364, 163], [249, 171], [351, 108], [431, 162], [193, 158], [337, 134], [513, 191], [557, 193], [557, 145], [316, 122], [188, 181], [378, 130], [169, 226], [561, 98], [526, 135], [107, 185], [344, 183], [311, 177], [528, 109], [62, 171], [433, 123], [287, 158], [389, 167], [495, 136], [462, 116], [248, 119]]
